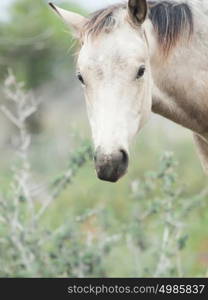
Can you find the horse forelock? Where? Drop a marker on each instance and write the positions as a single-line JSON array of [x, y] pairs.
[[171, 20], [103, 20]]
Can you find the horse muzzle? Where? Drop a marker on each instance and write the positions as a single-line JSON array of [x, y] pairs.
[[111, 167]]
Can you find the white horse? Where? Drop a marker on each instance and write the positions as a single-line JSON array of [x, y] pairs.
[[141, 57]]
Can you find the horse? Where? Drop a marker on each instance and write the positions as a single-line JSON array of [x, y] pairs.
[[136, 58]]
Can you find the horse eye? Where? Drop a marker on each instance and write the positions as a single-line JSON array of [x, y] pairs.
[[140, 72], [79, 76]]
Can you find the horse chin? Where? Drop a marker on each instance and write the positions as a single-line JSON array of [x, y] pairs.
[[112, 178]]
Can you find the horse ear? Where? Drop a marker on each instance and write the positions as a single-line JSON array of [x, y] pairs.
[[73, 20], [137, 10]]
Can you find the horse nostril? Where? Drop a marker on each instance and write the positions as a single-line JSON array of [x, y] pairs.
[[95, 157], [125, 157], [98, 155]]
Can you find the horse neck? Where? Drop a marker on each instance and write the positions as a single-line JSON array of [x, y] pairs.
[[173, 76]]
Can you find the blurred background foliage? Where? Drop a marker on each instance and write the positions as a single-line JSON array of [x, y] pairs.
[[91, 228], [34, 43]]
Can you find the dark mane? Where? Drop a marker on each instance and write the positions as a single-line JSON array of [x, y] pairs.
[[171, 21]]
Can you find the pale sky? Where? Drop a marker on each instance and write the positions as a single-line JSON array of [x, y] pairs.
[[95, 4], [87, 4]]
